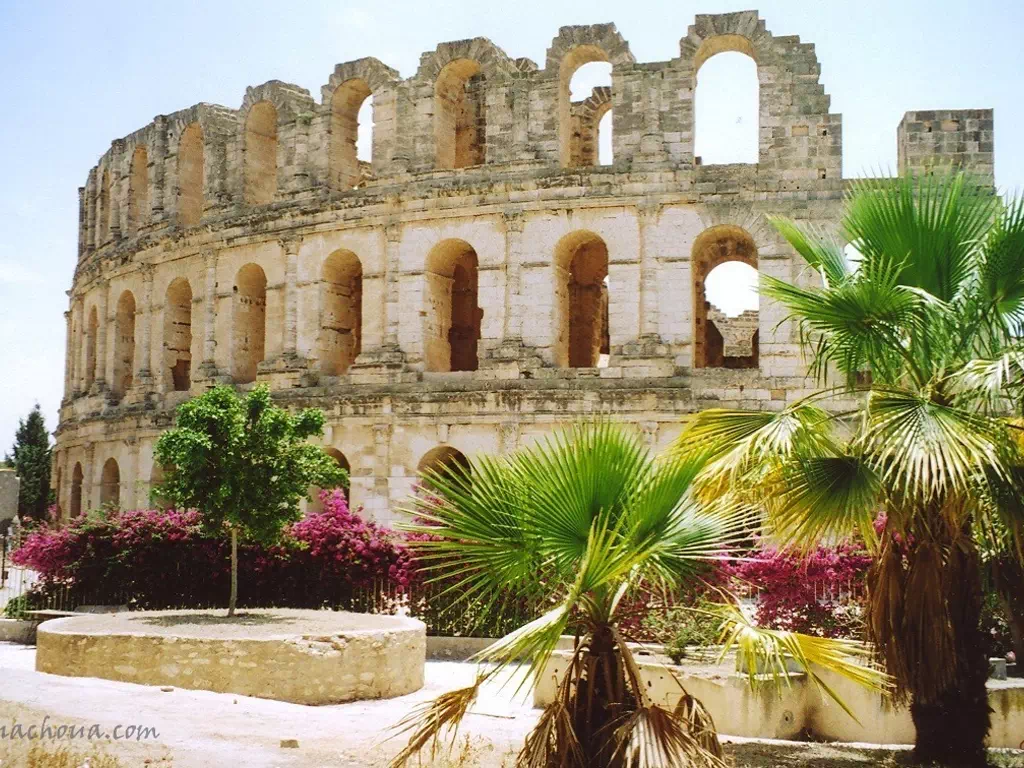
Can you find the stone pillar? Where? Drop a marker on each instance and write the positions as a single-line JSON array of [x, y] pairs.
[[291, 297], [69, 351], [144, 377], [513, 330], [88, 480], [648, 219], [208, 366], [82, 222], [116, 157], [103, 374], [392, 268], [159, 195]]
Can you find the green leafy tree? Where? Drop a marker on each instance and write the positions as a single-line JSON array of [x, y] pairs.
[[581, 523], [917, 428], [245, 464], [30, 457]]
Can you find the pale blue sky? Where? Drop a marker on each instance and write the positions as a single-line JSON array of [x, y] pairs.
[[79, 74]]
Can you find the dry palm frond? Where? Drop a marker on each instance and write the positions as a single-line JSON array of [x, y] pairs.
[[553, 740], [428, 722], [927, 637], [885, 612], [654, 737], [699, 722]]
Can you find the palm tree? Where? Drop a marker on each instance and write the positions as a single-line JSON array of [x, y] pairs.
[[919, 336], [581, 523]]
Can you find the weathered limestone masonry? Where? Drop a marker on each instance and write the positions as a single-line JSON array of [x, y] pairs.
[[478, 283]]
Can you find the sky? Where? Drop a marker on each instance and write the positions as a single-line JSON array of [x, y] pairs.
[[78, 75]]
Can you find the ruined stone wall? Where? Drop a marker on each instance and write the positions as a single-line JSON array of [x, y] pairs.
[[425, 306]]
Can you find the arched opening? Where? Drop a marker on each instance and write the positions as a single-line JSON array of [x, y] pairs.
[[92, 331], [261, 154], [110, 484], [104, 208], [190, 176], [178, 336], [453, 315], [315, 503], [726, 103], [460, 115], [443, 460], [349, 166], [342, 301], [725, 312], [138, 191], [124, 344], [249, 319], [581, 300], [590, 113], [570, 148], [75, 508]]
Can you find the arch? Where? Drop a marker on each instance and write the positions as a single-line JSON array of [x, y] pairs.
[[191, 172], [178, 336], [726, 102], [315, 504], [713, 247], [577, 57], [249, 322], [453, 315], [444, 460], [581, 300], [110, 484], [103, 226], [460, 115], [345, 168], [124, 344], [138, 190], [91, 333], [341, 323], [261, 153], [75, 506]]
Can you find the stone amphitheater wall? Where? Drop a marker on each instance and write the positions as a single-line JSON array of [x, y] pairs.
[[437, 296]]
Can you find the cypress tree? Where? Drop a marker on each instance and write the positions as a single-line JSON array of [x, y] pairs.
[[30, 457]]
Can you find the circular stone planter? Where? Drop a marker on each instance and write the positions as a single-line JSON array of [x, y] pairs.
[[305, 657]]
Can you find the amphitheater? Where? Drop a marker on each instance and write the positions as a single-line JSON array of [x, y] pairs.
[[479, 282]]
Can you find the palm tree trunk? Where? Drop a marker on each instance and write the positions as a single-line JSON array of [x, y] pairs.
[[233, 600], [602, 695], [952, 726]]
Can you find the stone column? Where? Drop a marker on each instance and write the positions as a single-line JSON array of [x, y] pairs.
[[513, 330], [69, 353], [144, 377], [291, 297], [392, 268], [159, 196], [208, 367], [88, 480], [648, 219], [103, 374], [82, 222], [116, 158]]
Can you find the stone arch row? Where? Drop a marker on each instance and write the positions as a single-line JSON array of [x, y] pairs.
[[281, 142], [442, 458], [452, 316]]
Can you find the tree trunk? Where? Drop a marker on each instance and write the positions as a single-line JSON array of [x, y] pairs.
[[602, 696], [233, 600], [952, 726]]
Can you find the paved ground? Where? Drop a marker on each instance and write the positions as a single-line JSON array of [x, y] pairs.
[[202, 729], [198, 729]]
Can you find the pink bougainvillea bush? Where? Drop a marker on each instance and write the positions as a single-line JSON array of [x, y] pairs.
[[151, 559], [820, 592]]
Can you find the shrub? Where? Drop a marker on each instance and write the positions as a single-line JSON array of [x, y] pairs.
[[682, 628], [152, 559], [819, 593]]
